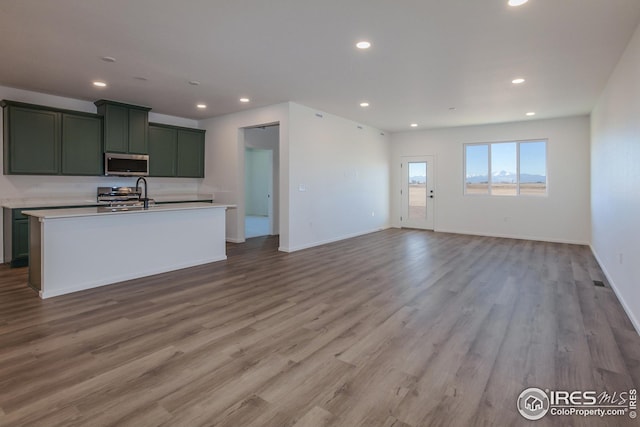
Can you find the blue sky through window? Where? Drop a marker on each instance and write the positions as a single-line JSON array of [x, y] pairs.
[[533, 158], [417, 169], [477, 160]]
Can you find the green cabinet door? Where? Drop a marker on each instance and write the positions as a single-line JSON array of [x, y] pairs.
[[138, 131], [20, 241], [125, 127], [81, 145], [32, 141], [116, 128], [162, 150], [190, 153]]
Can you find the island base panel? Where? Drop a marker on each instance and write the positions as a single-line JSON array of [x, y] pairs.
[[85, 252]]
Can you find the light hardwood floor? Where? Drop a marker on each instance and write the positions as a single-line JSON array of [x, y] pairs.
[[397, 328]]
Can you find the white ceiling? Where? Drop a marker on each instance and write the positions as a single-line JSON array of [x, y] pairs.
[[427, 55]]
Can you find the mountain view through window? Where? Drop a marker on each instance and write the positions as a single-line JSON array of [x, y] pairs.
[[506, 168]]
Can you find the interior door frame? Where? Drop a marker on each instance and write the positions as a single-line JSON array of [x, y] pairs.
[[430, 159], [270, 192]]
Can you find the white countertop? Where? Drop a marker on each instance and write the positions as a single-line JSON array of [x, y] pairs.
[[44, 202], [95, 211]]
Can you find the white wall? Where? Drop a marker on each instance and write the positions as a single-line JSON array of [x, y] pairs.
[[563, 216], [29, 187], [615, 184], [344, 171], [339, 172], [224, 163]]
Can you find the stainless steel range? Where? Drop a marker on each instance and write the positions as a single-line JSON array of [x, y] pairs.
[[120, 198]]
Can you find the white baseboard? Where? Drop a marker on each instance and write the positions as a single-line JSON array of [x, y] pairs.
[[235, 240], [332, 240], [627, 309], [515, 236]]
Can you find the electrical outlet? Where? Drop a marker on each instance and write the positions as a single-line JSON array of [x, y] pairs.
[[620, 258], [373, 213]]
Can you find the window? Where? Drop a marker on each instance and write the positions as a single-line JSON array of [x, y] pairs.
[[517, 168]]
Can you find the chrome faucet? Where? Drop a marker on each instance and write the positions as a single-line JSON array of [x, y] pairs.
[[145, 199]]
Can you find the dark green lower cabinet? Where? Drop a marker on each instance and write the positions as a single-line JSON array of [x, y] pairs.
[[16, 233], [20, 243], [16, 237]]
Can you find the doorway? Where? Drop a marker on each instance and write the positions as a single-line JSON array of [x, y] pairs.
[[261, 180], [258, 189], [417, 193]]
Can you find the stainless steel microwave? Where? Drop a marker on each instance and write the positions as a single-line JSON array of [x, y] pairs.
[[117, 164]]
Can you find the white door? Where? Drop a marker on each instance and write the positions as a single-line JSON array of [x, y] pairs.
[[417, 192]]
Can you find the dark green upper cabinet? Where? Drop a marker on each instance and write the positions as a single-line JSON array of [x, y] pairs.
[[138, 131], [125, 127], [190, 153], [116, 128], [176, 151], [49, 141], [81, 144], [31, 139], [163, 142]]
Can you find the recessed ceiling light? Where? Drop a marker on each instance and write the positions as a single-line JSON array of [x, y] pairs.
[[364, 104], [194, 82], [517, 2], [517, 81], [452, 108], [531, 113], [414, 125], [142, 79], [99, 84], [363, 45], [108, 59], [201, 106], [244, 100]]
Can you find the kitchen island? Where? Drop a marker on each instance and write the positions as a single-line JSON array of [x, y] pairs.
[[82, 248]]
